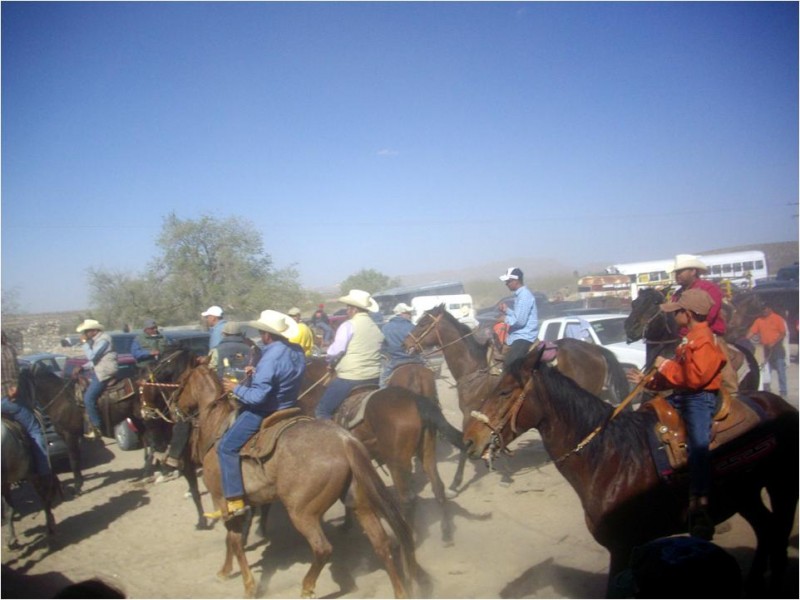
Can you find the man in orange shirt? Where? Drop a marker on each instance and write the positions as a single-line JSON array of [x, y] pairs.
[[695, 375], [769, 330]]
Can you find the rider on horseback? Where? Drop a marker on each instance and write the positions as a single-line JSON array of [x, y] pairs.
[[103, 366], [148, 346], [274, 385], [16, 408], [395, 333]]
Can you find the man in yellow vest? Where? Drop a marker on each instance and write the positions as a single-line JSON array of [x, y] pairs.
[[304, 337], [355, 352]]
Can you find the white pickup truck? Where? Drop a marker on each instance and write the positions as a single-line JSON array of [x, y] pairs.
[[606, 330]]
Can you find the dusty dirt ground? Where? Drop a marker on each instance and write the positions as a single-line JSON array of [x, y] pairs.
[[518, 534]]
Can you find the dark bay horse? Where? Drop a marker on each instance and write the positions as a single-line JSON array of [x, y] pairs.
[[660, 332], [746, 308], [593, 367], [625, 499], [17, 466], [398, 424], [315, 463]]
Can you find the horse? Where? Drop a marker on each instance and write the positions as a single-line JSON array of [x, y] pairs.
[[610, 464], [17, 466], [593, 367], [157, 390], [398, 424], [314, 464], [661, 334], [746, 308]]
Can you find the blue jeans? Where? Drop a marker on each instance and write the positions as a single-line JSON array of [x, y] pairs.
[[233, 440], [336, 393], [777, 363], [90, 397], [697, 410], [25, 417]]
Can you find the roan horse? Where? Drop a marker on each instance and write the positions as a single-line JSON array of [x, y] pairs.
[[660, 332], [18, 465], [595, 368], [315, 463], [398, 424], [609, 463]]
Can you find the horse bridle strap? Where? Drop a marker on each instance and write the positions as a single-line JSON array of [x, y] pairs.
[[434, 327]]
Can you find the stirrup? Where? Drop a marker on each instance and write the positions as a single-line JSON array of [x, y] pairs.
[[236, 508]]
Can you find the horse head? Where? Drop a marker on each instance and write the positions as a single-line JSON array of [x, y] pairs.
[[643, 309], [426, 333], [490, 429], [745, 308]]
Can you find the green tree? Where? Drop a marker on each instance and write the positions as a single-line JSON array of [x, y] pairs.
[[368, 280]]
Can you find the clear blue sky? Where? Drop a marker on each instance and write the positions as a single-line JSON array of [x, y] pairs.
[[402, 137]]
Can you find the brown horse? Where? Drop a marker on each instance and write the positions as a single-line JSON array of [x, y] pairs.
[[398, 424], [626, 500], [17, 466], [746, 308], [315, 463], [594, 368]]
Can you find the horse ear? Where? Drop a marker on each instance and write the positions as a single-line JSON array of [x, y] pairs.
[[534, 358]]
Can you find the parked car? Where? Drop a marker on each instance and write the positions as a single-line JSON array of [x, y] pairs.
[[606, 329], [48, 360], [190, 339]]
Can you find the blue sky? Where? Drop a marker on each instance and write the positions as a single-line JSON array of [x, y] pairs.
[[401, 137]]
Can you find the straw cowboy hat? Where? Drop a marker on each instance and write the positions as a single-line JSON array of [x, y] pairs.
[[402, 308], [276, 322], [688, 261], [89, 324], [360, 299]]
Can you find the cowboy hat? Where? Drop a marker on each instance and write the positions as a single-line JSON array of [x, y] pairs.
[[697, 301], [360, 299], [232, 328], [688, 261], [294, 311], [276, 322], [89, 324], [402, 308]]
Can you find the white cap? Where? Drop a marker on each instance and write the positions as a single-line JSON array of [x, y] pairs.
[[511, 273], [213, 311]]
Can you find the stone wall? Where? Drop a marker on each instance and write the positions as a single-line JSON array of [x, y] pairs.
[[41, 332]]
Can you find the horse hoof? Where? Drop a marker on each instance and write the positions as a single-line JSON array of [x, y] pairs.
[[310, 594], [222, 576]]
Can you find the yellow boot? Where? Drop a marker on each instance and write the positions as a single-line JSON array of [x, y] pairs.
[[235, 507]]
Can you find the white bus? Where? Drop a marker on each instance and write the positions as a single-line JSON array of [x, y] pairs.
[[741, 269]]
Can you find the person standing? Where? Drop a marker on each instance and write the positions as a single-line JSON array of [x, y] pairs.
[[395, 331], [770, 331], [521, 320], [274, 385], [695, 375], [688, 270], [215, 322], [355, 352], [304, 337], [102, 365], [14, 407], [148, 346]]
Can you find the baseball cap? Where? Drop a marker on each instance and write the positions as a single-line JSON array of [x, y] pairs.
[[293, 312], [511, 273], [148, 323], [213, 311], [697, 301]]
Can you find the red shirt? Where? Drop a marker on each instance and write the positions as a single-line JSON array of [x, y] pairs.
[[714, 319], [697, 364]]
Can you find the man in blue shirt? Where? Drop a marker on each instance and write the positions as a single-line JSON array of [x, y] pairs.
[[274, 386], [521, 320], [395, 332], [215, 324]]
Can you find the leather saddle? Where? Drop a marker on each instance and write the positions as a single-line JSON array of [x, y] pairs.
[[263, 443], [733, 418], [351, 411], [117, 390]]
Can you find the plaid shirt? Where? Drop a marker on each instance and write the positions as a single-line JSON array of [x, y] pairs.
[[9, 370]]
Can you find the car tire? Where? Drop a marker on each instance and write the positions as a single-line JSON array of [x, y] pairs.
[[126, 437]]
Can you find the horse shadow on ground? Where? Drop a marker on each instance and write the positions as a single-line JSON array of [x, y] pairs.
[[790, 587], [75, 528], [19, 585], [565, 582], [352, 553]]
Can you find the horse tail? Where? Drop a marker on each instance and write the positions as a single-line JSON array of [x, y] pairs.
[[616, 380], [750, 382], [432, 417], [383, 502]]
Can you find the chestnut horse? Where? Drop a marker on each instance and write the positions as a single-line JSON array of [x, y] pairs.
[[593, 367], [660, 332], [18, 465], [625, 499], [398, 424], [315, 463]]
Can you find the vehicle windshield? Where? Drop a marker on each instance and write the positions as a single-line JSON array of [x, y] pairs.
[[610, 331]]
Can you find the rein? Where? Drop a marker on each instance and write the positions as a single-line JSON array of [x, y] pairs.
[[326, 377], [434, 326]]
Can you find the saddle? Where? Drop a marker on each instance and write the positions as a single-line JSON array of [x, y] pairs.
[[116, 391], [733, 418], [262, 444], [351, 411], [495, 354], [18, 431]]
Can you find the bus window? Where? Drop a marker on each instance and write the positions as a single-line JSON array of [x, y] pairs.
[[716, 269], [737, 267], [726, 268]]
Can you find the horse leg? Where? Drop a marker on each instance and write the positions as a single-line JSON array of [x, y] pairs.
[[46, 487], [783, 500], [401, 475], [9, 513], [762, 522], [309, 526], [233, 542], [428, 458], [190, 474], [73, 443], [459, 476]]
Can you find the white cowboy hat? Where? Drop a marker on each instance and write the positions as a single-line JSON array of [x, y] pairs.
[[360, 299], [294, 311], [213, 311], [276, 322], [89, 324], [402, 308], [688, 261]]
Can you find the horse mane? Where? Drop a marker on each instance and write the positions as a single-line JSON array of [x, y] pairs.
[[626, 433], [477, 350]]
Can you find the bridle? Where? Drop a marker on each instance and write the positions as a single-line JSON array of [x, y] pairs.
[[153, 412], [434, 327]]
